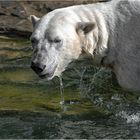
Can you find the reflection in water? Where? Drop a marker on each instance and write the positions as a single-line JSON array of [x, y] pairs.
[[92, 106]]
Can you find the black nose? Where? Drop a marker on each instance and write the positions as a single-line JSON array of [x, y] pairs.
[[37, 67]]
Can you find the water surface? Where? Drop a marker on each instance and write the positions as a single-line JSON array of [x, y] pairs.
[[94, 105]]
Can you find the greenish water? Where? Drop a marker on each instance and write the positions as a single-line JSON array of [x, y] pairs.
[[95, 106]]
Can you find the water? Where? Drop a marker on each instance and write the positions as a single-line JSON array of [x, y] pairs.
[[90, 107], [81, 82], [39, 126], [62, 102], [65, 104]]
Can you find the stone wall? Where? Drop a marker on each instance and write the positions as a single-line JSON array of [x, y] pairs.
[[14, 14]]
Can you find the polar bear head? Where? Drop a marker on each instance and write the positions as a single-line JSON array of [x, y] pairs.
[[57, 40]]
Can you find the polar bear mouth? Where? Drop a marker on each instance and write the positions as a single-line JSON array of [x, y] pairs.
[[48, 75]]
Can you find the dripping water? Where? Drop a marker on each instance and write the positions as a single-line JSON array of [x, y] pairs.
[[65, 103], [62, 102], [61, 91], [82, 86]]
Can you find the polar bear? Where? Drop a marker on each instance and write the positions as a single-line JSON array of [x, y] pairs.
[[108, 33]]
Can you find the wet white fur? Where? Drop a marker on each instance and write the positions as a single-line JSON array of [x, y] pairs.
[[114, 40]]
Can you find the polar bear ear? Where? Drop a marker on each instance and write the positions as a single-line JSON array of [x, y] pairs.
[[34, 20], [86, 27]]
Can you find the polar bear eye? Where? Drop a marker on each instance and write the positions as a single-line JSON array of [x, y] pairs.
[[56, 40]]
